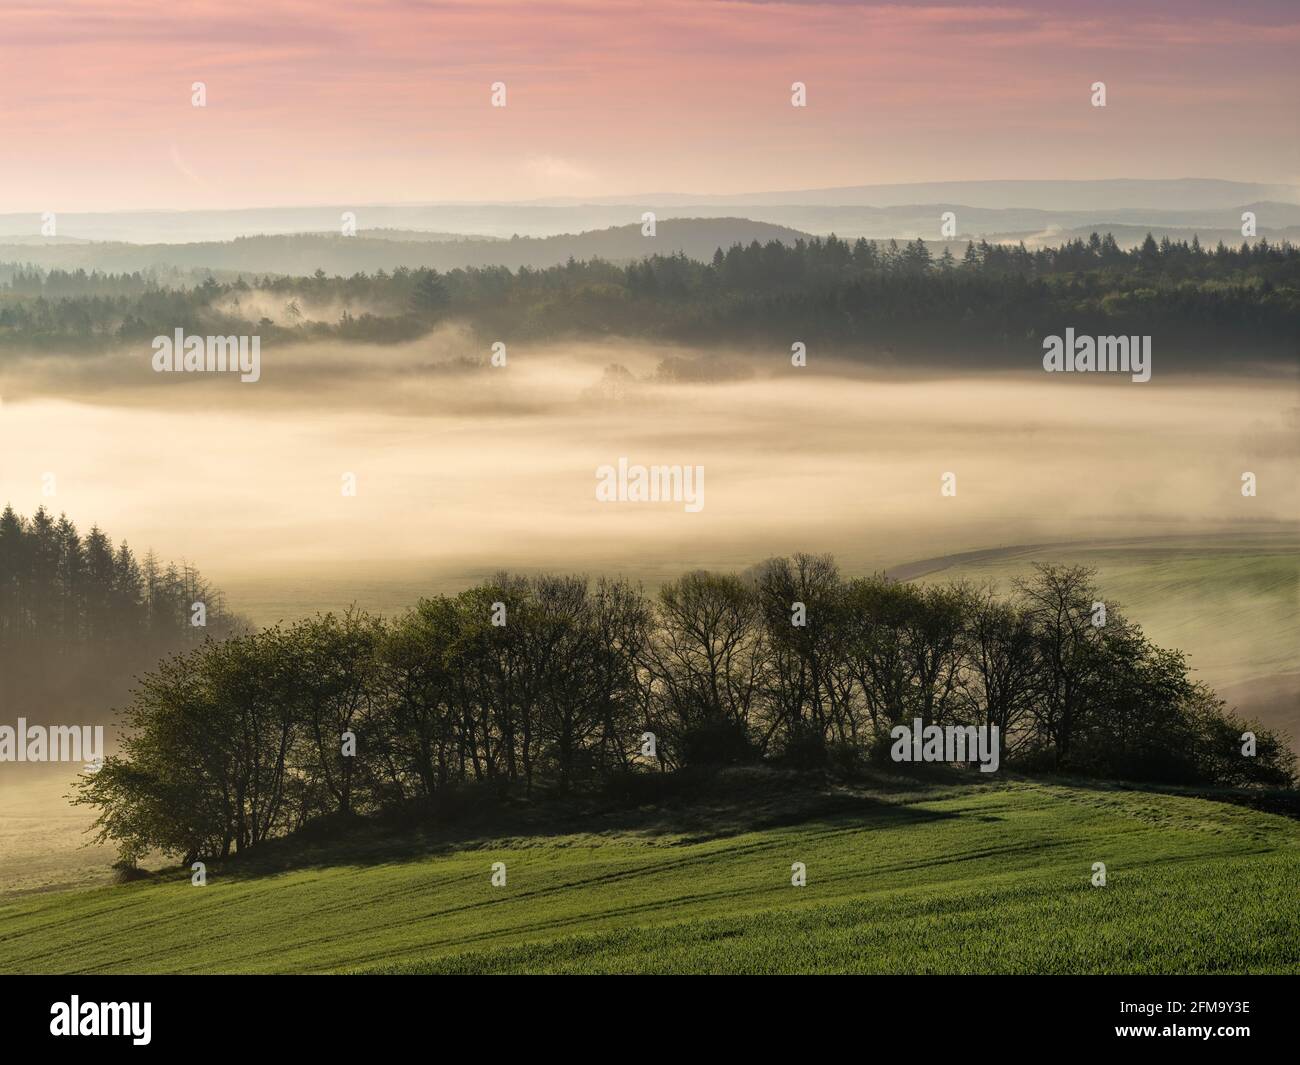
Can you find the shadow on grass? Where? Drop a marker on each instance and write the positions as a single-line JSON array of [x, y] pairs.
[[671, 809], [674, 809]]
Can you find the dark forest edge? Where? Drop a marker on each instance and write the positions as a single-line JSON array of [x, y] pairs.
[[998, 300], [547, 686], [79, 617]]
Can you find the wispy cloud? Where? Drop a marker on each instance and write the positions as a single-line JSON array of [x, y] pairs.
[[388, 99]]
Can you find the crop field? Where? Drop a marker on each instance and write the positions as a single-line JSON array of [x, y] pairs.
[[1232, 603], [901, 877]]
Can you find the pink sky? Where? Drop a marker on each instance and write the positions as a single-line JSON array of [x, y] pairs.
[[388, 100]]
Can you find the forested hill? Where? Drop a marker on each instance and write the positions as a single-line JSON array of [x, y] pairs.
[[1203, 306], [373, 250]]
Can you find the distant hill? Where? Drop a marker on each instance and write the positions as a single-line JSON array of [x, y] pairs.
[[304, 253], [859, 210], [1275, 220], [416, 235]]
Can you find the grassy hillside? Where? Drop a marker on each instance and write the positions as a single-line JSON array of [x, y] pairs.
[[970, 876], [1231, 603]]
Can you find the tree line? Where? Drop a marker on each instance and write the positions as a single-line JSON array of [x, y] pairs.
[[998, 299], [79, 616], [551, 683]]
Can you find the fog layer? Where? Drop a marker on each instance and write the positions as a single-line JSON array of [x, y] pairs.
[[461, 467]]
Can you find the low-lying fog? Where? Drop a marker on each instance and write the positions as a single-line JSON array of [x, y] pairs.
[[463, 470]]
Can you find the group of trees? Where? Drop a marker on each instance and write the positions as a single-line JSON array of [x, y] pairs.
[[775, 264], [79, 616], [23, 280], [996, 299], [552, 682]]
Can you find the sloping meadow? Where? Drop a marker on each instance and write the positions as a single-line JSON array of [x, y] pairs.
[[966, 878]]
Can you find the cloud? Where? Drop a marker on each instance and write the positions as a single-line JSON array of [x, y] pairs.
[[551, 170], [373, 101]]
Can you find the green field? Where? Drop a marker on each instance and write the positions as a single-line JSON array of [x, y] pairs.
[[1231, 603], [902, 877]]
